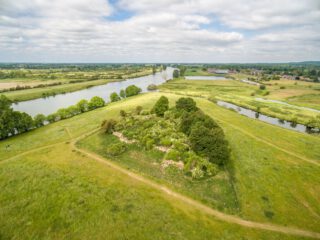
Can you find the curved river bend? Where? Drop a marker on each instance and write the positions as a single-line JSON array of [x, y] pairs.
[[51, 104]]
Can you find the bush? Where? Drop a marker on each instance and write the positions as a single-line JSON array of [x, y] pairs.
[[165, 142], [114, 97], [108, 126], [116, 149], [161, 106], [83, 105], [173, 155], [132, 90], [96, 102], [197, 173], [122, 94], [138, 110], [262, 87], [39, 120], [186, 104], [176, 73], [152, 87], [123, 113]]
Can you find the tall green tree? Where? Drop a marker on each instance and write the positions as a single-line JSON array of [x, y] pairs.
[[161, 106], [114, 97]]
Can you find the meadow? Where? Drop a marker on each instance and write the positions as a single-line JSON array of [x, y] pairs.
[[251, 97], [51, 190], [48, 82]]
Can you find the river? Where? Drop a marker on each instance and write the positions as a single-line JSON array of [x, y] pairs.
[[51, 104], [264, 118]]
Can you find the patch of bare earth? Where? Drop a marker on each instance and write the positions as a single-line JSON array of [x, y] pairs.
[[123, 138], [167, 163]]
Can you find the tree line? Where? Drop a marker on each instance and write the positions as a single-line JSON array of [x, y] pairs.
[[15, 122]]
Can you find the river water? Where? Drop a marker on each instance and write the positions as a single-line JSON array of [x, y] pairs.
[[51, 104], [264, 118]]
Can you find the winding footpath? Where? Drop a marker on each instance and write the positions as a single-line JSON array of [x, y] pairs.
[[197, 205]]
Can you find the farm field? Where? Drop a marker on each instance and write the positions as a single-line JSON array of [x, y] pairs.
[[49, 82], [274, 172]]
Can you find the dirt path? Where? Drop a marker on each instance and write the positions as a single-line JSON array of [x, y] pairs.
[[198, 205], [202, 207]]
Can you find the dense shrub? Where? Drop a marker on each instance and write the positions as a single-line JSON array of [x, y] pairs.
[[83, 105], [108, 126], [96, 102], [262, 87], [114, 97], [138, 110], [176, 73], [161, 106], [186, 104], [209, 143], [39, 120], [132, 90], [190, 119], [116, 149], [122, 93]]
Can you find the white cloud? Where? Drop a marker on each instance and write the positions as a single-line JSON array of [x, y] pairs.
[[176, 30]]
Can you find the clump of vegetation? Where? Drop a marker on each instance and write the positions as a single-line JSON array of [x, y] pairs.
[[13, 122], [152, 87], [262, 87], [116, 149], [108, 126], [184, 133], [132, 90], [176, 73], [161, 106], [114, 97]]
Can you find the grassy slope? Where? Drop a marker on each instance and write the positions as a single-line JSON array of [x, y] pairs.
[[56, 193], [267, 179], [216, 192]]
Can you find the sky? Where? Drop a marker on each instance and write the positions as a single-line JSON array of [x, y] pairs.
[[187, 31]]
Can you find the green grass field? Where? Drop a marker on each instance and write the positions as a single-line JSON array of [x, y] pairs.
[[84, 81], [55, 192], [247, 96]]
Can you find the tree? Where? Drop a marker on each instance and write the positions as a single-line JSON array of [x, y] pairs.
[[154, 70], [114, 97], [186, 104], [96, 102], [52, 118], [73, 110], [83, 105], [5, 104], [39, 120], [108, 126], [209, 143], [22, 121], [161, 106], [189, 119], [122, 94], [176, 73], [132, 90]]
